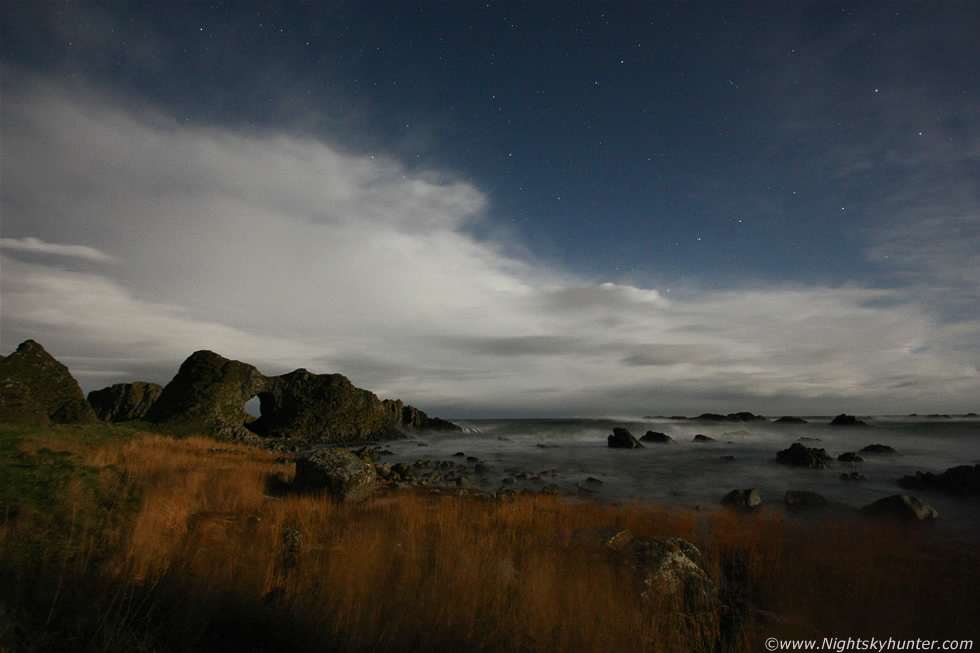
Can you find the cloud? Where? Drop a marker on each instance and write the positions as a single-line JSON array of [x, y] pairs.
[[285, 251], [37, 246]]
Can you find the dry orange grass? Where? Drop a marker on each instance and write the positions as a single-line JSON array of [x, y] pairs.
[[217, 559]]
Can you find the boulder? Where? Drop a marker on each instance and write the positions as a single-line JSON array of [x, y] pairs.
[[346, 477], [803, 499], [671, 579], [654, 436], [850, 457], [623, 439], [800, 456], [702, 438], [748, 499], [963, 480], [847, 420], [37, 389], [123, 402], [902, 508], [879, 448]]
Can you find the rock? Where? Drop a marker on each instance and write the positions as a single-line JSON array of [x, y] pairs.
[[671, 579], [346, 477], [209, 393], [37, 389], [963, 480], [123, 402], [803, 499], [623, 439], [731, 417], [748, 499], [702, 438], [852, 476], [849, 457], [901, 507], [847, 420], [412, 417], [879, 448], [786, 419], [654, 436], [800, 456]]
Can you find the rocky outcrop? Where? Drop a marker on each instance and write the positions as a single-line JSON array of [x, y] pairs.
[[344, 476], [412, 417], [123, 402], [847, 420], [209, 393], [731, 417], [748, 499], [622, 439], [902, 508], [850, 457], [963, 480], [800, 456], [37, 389], [657, 437]]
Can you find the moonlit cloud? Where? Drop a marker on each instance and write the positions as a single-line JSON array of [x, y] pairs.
[[284, 251], [37, 246]]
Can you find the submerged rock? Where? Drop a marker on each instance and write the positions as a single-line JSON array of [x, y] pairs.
[[787, 419], [803, 499], [655, 436], [748, 499], [901, 507], [37, 389], [847, 420], [800, 456], [623, 439], [879, 448], [963, 480], [346, 477]]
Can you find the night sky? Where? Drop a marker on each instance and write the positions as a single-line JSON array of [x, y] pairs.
[[504, 209]]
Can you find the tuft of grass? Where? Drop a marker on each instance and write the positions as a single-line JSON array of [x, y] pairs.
[[130, 541]]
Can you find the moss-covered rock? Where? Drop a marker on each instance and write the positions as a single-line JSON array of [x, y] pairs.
[[36, 389]]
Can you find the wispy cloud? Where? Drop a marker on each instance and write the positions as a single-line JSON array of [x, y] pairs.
[[37, 246], [285, 251]]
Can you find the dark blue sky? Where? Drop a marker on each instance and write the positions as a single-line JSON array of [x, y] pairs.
[[695, 147]]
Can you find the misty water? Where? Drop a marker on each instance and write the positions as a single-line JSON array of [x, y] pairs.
[[689, 474]]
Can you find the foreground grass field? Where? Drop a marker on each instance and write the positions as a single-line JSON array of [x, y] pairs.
[[115, 540]]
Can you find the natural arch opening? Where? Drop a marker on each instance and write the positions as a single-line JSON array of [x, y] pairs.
[[253, 407]]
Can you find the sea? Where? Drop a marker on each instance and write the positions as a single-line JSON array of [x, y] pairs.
[[573, 454]]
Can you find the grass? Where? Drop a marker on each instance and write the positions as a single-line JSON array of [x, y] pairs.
[[117, 540]]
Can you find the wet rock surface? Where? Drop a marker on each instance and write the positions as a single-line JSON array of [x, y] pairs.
[[799, 455], [962, 480]]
